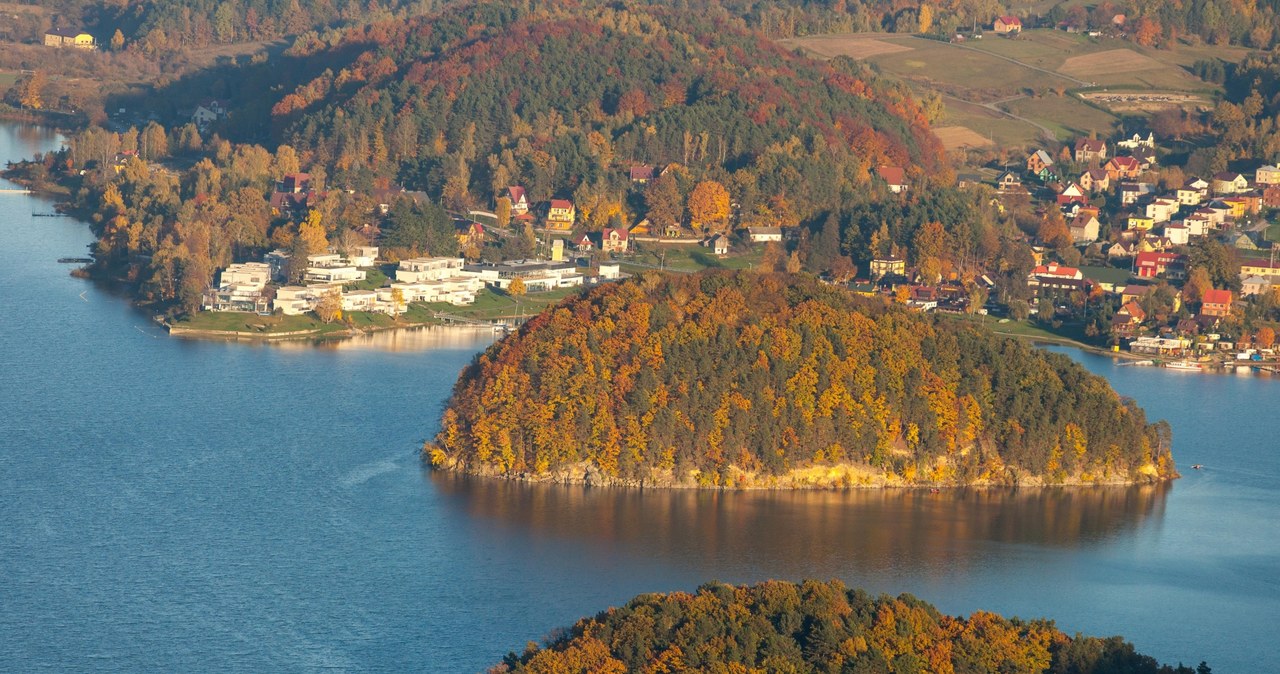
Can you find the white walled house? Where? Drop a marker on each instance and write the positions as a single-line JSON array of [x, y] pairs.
[[418, 269]]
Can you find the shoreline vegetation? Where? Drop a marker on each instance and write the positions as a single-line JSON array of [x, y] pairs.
[[740, 381], [817, 626]]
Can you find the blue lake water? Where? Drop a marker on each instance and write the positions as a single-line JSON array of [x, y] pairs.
[[174, 505]]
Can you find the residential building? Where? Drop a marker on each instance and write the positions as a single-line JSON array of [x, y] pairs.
[[519, 202], [881, 266], [536, 275], [69, 37], [1119, 168], [895, 177], [1264, 268], [1271, 196], [613, 240], [1178, 234], [1073, 193], [1095, 180], [297, 300], [249, 274], [1255, 285], [1153, 264], [1140, 223], [364, 256], [1267, 175], [561, 215], [1128, 319], [1136, 141], [1216, 303], [641, 174], [719, 244], [1083, 228], [1005, 25], [1038, 161], [335, 274], [764, 234], [584, 244], [207, 112], [1229, 182], [1162, 210], [1130, 193], [419, 269], [1089, 150], [1188, 196]]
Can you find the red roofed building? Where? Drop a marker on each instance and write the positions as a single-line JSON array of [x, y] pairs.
[[613, 240], [1007, 24], [1153, 264], [1216, 303], [561, 214], [1073, 194], [519, 202], [895, 176], [641, 174], [1123, 167]]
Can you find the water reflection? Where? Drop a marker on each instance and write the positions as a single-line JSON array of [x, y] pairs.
[[811, 531], [411, 339]]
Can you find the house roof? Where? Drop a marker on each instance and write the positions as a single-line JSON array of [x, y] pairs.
[[1010, 21], [1228, 176], [764, 230], [1216, 296], [642, 172], [1123, 162], [1043, 157], [622, 232], [1090, 144], [65, 32], [1055, 269], [561, 203], [1096, 174], [894, 175], [515, 193], [1131, 307]]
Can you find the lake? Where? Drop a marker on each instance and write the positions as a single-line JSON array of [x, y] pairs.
[[174, 505]]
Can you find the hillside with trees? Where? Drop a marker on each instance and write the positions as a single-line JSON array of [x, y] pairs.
[[819, 627], [763, 380], [564, 98]]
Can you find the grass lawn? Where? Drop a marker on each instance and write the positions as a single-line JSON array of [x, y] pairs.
[[229, 321], [491, 304], [373, 279], [7, 80], [690, 259], [1067, 115]]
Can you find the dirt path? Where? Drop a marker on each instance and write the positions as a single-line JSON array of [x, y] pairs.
[[1005, 113]]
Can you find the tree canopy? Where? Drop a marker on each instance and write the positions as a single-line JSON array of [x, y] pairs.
[[742, 379]]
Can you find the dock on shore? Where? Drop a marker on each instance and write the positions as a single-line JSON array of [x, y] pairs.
[[19, 191]]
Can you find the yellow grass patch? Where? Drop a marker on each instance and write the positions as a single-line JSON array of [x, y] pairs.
[[1108, 63], [954, 137], [853, 46]]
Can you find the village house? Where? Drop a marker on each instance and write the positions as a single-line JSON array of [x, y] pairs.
[[297, 300], [469, 233], [1154, 244], [207, 112], [561, 215], [1008, 180], [719, 244], [1146, 158], [519, 202], [1140, 223], [1267, 175], [1119, 168], [1073, 193], [883, 266], [1229, 182], [69, 37], [764, 234], [613, 240], [1162, 210], [1130, 193], [1153, 264], [1178, 234], [1128, 319], [1084, 228], [1216, 303], [1056, 277], [1005, 25], [1120, 249], [1271, 196], [418, 269], [641, 174], [1038, 161], [1264, 268], [1188, 196], [1095, 180], [1254, 285], [895, 177], [1089, 150], [1159, 346], [240, 288], [1134, 293], [584, 244]]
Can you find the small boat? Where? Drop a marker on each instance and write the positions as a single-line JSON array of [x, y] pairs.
[[1139, 362], [1183, 365], [1197, 466]]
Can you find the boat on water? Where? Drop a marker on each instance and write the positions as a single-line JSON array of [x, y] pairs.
[[1198, 466], [1139, 362], [1183, 365]]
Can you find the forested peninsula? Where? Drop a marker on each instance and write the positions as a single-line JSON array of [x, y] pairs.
[[819, 627], [757, 380]]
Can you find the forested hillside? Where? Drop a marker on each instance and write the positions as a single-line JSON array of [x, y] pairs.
[[819, 627], [562, 99], [751, 379]]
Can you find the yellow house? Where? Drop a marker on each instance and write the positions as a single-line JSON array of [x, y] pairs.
[[69, 37], [1141, 224], [561, 215]]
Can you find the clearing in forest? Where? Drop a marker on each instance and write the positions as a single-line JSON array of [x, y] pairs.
[[955, 137], [853, 46], [1109, 62]]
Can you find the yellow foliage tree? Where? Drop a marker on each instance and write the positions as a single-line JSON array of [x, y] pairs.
[[709, 204], [926, 18]]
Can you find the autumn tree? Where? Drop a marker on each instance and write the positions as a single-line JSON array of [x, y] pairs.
[[503, 211], [709, 205], [662, 201], [329, 305], [31, 90], [517, 288], [1266, 337]]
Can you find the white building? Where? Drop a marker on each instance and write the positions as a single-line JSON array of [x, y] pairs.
[[248, 274], [364, 256], [295, 300], [1162, 210], [344, 274], [764, 234], [418, 269], [537, 275]]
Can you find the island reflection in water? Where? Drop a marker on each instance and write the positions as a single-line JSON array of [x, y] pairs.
[[795, 533]]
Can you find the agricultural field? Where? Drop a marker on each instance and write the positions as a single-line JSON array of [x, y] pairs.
[[1014, 91]]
